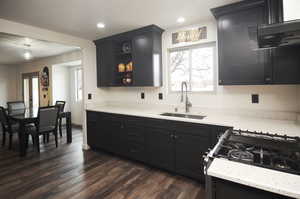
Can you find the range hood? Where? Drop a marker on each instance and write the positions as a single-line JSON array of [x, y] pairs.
[[283, 28], [280, 34]]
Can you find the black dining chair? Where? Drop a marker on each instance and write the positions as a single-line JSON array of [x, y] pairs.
[[7, 127], [47, 123], [61, 106], [16, 105]]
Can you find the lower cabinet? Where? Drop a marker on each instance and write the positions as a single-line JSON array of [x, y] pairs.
[[133, 142], [189, 151], [226, 189], [171, 145], [160, 148]]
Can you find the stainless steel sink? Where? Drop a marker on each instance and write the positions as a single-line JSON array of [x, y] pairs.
[[198, 117]]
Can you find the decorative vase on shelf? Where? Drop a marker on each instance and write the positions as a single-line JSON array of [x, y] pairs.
[[129, 67], [121, 68]]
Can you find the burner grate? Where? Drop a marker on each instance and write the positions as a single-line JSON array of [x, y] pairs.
[[276, 152]]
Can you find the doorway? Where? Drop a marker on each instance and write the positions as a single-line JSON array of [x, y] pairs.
[[67, 85], [31, 89]]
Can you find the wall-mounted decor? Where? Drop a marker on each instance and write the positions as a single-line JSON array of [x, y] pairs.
[[191, 35], [45, 78]]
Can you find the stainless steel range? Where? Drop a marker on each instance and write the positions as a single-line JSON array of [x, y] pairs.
[[276, 152]]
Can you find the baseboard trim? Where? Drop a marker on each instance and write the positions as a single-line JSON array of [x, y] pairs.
[[85, 147]]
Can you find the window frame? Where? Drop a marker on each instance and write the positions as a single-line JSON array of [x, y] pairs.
[[189, 48], [76, 69]]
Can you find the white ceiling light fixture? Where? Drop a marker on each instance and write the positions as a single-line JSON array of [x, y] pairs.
[[27, 54], [180, 20], [100, 25], [27, 41]]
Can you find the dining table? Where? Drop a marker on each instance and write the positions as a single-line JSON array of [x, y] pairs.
[[29, 116]]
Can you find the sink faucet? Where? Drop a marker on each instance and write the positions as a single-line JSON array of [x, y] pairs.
[[188, 104]]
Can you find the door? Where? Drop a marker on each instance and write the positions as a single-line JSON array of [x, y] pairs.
[[31, 89], [160, 148], [189, 151]]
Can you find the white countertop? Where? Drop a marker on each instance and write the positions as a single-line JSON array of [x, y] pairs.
[[253, 176], [282, 127]]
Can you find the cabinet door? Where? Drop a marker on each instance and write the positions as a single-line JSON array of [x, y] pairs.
[[227, 189], [133, 139], [142, 57], [106, 65], [111, 135], [189, 151], [103, 133], [92, 134], [92, 130], [286, 65], [160, 148], [239, 60]]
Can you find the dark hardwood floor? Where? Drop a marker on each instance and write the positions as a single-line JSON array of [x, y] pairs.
[[70, 172]]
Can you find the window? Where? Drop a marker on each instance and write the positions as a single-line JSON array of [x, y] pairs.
[[78, 84], [195, 65]]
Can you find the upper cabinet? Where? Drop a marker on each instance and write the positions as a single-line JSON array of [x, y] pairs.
[[130, 59], [241, 62]]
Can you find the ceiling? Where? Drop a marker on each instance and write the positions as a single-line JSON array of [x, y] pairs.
[[79, 17], [12, 48]]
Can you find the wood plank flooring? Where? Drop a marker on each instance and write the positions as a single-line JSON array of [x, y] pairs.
[[70, 172]]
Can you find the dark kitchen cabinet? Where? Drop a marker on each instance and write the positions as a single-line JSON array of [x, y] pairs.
[[189, 151], [286, 65], [226, 189], [171, 145], [106, 59], [103, 133], [140, 48], [93, 129], [133, 142], [241, 62], [160, 148]]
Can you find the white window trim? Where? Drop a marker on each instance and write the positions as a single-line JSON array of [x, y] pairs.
[[76, 69], [189, 47]]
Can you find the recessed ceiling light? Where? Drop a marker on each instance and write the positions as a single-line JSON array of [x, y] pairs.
[[100, 25], [27, 40], [181, 20], [27, 55]]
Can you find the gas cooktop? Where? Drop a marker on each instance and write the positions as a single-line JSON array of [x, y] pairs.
[[260, 149]]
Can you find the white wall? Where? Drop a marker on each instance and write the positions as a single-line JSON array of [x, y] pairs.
[[63, 78], [75, 106], [7, 84], [291, 10], [61, 85], [272, 98]]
